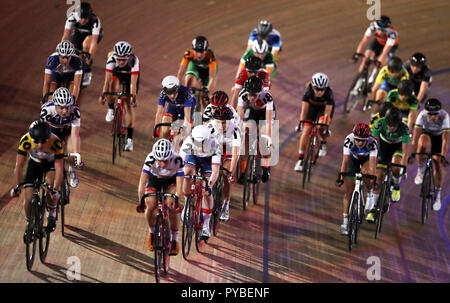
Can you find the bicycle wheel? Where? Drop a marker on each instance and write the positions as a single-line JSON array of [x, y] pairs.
[[426, 195], [158, 248], [356, 93], [307, 164], [63, 200], [166, 247], [32, 233], [188, 227], [247, 182], [115, 136], [256, 173], [353, 221], [381, 205], [44, 237], [198, 225], [217, 211]]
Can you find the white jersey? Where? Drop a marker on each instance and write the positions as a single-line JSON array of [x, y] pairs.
[[229, 138], [175, 167], [208, 114], [389, 36], [49, 114], [211, 148], [435, 128], [264, 100], [368, 150], [93, 27]]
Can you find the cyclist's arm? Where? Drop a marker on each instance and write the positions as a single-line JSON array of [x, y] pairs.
[[181, 70], [327, 114], [405, 150], [344, 164], [187, 120], [215, 173], [76, 86], [384, 54], [18, 169], [66, 34], [240, 69], [159, 114], [412, 116], [444, 143], [94, 45], [375, 87], [269, 113], [363, 44], [415, 138], [133, 84], [212, 76], [76, 141], [142, 183], [423, 89], [58, 173], [47, 80], [304, 111], [234, 96], [235, 158], [179, 187]]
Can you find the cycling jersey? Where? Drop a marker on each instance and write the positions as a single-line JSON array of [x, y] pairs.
[[435, 128], [263, 102], [423, 76], [60, 126], [406, 106], [368, 150], [208, 114], [388, 37], [274, 39], [175, 167], [268, 62], [183, 99], [53, 66], [229, 138], [243, 76], [400, 135], [209, 62], [131, 68], [310, 97], [92, 27], [211, 148], [385, 75], [52, 149]]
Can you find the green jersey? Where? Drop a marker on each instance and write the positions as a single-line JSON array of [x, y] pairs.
[[401, 134], [268, 62], [409, 104]]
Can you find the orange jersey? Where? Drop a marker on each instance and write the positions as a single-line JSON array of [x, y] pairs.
[[209, 61]]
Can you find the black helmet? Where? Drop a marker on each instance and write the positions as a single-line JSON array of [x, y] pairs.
[[264, 28], [433, 105], [393, 116], [253, 64], [418, 59], [223, 113], [395, 65], [85, 10], [383, 23], [200, 43], [39, 131], [405, 87], [253, 85]]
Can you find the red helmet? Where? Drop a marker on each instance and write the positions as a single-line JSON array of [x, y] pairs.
[[219, 98], [361, 131]]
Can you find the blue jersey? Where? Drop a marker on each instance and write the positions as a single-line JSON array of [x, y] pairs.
[[184, 98], [75, 66], [368, 150], [274, 39]]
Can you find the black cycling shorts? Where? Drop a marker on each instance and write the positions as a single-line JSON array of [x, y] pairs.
[[160, 184], [377, 48], [436, 142], [386, 151], [36, 170]]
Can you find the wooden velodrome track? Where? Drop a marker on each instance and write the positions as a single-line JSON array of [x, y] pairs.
[[292, 235]]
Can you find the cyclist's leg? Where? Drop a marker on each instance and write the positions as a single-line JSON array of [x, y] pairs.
[[153, 185], [370, 52], [311, 115], [170, 115], [396, 171], [192, 76], [439, 171], [191, 163], [208, 202], [423, 146], [34, 171]]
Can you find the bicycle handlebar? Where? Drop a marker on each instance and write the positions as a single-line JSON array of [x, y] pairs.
[[161, 195], [367, 176], [76, 155], [429, 155], [313, 123], [158, 126], [45, 97], [118, 94]]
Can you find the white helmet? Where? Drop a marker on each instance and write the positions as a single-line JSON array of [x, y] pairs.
[[201, 133], [170, 84], [62, 97], [319, 80], [162, 150], [122, 48], [260, 46], [65, 48]]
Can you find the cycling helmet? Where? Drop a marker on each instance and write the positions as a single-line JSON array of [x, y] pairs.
[[319, 80], [260, 46], [393, 117], [39, 131], [433, 105], [405, 88], [65, 48], [264, 28], [253, 85], [201, 133], [170, 85], [162, 149], [383, 23], [62, 97], [395, 65], [418, 59], [219, 98], [223, 113], [84, 10], [122, 49], [361, 131], [253, 64], [200, 44]]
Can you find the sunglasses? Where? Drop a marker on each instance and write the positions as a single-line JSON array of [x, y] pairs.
[[199, 50], [319, 89], [39, 141], [252, 71], [360, 140], [122, 59], [253, 94], [433, 114]]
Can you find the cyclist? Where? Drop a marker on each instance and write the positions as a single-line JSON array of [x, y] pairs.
[[84, 30], [431, 135], [46, 156], [388, 78], [265, 31], [384, 45], [162, 172], [219, 100], [260, 49], [122, 67], [200, 66], [359, 155], [256, 104], [317, 105], [229, 135], [252, 68], [403, 98], [180, 102], [393, 142], [420, 75], [201, 150], [63, 68], [63, 117]]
